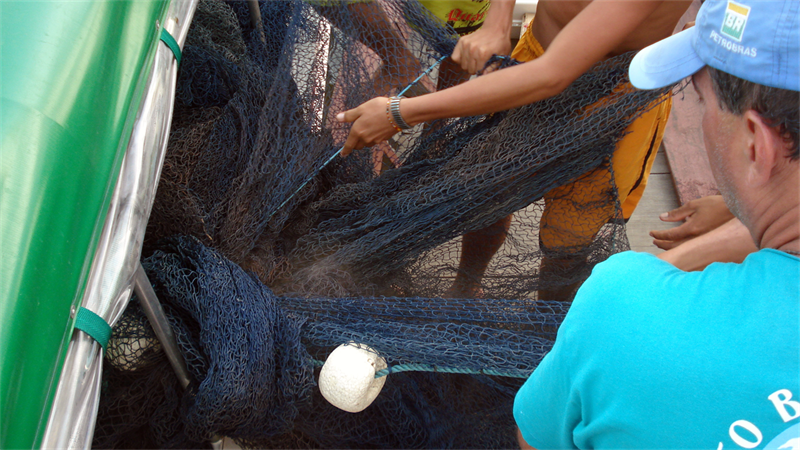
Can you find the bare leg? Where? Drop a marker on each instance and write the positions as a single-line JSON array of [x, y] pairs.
[[562, 275], [477, 249]]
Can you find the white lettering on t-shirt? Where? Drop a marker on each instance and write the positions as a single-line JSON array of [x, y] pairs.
[[739, 440], [781, 399]]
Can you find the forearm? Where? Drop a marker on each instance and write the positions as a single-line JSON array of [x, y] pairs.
[[730, 242], [499, 16], [498, 91], [575, 49], [580, 45]]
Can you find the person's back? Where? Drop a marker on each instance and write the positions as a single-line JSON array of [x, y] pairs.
[[650, 356], [648, 350]]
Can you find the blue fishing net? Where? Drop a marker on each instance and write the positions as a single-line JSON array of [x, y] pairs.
[[252, 356], [267, 253]]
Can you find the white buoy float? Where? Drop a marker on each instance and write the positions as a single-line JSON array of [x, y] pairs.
[[347, 379]]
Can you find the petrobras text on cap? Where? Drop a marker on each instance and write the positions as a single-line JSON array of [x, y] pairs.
[[732, 46]]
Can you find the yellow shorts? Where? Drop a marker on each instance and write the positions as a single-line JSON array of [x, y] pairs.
[[569, 220]]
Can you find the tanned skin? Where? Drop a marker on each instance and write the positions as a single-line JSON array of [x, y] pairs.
[[576, 35]]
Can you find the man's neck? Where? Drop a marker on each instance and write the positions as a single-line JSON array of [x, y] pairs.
[[781, 219]]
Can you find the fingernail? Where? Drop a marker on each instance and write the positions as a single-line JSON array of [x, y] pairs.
[[340, 117], [664, 216]]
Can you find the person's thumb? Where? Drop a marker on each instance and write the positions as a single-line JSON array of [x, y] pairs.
[[456, 55], [347, 116]]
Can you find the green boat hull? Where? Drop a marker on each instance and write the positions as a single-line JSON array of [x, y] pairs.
[[72, 76]]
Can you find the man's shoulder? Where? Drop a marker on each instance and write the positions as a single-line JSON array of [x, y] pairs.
[[631, 284], [629, 268], [621, 289], [641, 283], [632, 257]]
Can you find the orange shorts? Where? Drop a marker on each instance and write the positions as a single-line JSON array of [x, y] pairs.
[[569, 219]]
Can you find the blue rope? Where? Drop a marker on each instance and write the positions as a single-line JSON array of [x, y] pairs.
[[429, 368], [316, 172], [333, 156], [438, 61], [438, 369]]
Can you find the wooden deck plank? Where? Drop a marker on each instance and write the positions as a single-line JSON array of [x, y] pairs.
[[659, 197]]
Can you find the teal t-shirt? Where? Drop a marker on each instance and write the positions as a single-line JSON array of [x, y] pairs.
[[650, 356]]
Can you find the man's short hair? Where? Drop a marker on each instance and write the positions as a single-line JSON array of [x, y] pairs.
[[755, 43], [780, 108]]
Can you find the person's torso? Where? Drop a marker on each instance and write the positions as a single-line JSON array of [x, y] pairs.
[[553, 15]]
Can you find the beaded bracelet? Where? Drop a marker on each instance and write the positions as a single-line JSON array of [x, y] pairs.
[[394, 108], [389, 116]]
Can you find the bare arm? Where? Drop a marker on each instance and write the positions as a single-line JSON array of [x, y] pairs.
[[583, 42], [730, 242], [700, 216]]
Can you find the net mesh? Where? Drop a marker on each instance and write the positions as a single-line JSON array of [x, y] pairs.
[[251, 354], [370, 250]]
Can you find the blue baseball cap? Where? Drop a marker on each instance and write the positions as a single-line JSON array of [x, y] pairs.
[[756, 40]]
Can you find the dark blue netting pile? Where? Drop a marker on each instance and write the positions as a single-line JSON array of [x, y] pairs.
[[263, 272], [252, 354]]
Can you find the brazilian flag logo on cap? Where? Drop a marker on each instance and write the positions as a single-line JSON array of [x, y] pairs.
[[735, 20]]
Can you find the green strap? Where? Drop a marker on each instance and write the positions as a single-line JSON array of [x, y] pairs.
[[93, 325], [172, 44]]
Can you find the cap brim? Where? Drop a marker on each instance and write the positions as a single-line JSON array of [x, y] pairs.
[[666, 62]]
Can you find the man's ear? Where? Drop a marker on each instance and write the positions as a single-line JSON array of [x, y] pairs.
[[764, 148]]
